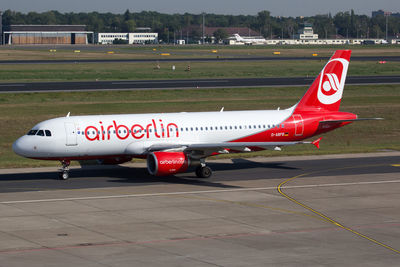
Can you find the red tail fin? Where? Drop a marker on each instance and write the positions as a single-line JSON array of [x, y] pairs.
[[327, 89]]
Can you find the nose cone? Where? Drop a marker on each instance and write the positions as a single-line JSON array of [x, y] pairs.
[[20, 147]]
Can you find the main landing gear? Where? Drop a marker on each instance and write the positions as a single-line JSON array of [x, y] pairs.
[[64, 170], [203, 171]]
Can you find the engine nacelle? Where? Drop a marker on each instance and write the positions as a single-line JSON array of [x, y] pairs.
[[167, 163]]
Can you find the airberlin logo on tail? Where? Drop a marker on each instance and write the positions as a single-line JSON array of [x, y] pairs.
[[332, 79]]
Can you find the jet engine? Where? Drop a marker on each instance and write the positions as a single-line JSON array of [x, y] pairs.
[[167, 163]]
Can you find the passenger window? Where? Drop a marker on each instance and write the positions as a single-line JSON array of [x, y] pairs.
[[40, 133], [283, 126], [48, 133]]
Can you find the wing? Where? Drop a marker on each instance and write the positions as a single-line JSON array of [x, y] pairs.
[[201, 150]]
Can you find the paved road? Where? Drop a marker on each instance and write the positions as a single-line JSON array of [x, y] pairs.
[[275, 58], [173, 84]]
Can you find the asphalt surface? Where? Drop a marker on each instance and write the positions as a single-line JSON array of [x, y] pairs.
[[275, 58], [227, 170], [335, 210], [176, 84]]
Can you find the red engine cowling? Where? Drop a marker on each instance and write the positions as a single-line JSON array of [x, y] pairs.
[[167, 163]]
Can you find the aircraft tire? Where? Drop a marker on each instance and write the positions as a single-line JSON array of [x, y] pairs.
[[203, 172], [64, 175]]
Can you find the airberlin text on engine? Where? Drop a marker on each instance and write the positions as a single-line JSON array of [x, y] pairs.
[[136, 131]]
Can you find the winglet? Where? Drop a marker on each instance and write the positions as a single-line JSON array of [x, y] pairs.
[[316, 142]]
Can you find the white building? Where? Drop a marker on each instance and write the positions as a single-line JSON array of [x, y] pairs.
[[131, 38], [143, 37]]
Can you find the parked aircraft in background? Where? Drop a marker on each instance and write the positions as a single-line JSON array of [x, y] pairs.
[[172, 142], [249, 41]]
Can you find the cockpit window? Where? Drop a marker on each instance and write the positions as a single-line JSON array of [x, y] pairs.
[[40, 133], [32, 132], [48, 133]]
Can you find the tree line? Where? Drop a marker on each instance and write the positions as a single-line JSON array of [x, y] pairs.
[[346, 24]]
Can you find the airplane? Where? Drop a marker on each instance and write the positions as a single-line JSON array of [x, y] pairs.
[[249, 41], [173, 142]]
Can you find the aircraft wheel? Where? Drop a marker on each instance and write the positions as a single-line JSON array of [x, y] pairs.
[[64, 175], [203, 172]]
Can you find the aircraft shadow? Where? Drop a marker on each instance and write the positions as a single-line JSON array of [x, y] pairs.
[[122, 175]]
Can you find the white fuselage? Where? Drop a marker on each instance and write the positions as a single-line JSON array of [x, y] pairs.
[[131, 134]]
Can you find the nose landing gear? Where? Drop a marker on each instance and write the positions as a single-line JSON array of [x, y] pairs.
[[64, 170]]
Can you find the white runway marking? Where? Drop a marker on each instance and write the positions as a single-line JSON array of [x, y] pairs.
[[196, 192]]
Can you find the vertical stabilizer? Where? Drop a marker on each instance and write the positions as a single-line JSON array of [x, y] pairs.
[[325, 93]]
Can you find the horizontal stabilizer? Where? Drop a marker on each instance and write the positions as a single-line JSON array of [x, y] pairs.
[[350, 120]]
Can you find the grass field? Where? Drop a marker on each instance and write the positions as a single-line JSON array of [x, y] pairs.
[[147, 70], [19, 112], [188, 51]]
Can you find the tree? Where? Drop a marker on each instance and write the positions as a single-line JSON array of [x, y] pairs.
[[264, 21], [220, 35], [129, 26], [120, 41]]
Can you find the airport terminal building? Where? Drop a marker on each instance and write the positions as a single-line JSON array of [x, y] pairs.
[[46, 34]]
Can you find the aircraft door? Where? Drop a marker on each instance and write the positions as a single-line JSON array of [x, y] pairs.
[[298, 125], [70, 133]]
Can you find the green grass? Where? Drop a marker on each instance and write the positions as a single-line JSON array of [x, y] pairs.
[[147, 70], [19, 112], [186, 51]]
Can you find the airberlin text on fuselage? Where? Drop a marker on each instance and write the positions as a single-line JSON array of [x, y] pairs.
[[136, 131]]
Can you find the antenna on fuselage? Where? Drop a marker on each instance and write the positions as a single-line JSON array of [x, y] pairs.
[[68, 114]]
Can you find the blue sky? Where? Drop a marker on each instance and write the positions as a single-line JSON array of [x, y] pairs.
[[245, 7]]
